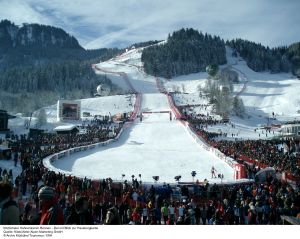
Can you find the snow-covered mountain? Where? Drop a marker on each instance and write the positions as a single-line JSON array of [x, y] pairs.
[[35, 35], [262, 93], [158, 145]]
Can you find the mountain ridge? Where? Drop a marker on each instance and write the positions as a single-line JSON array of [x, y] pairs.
[[28, 35], [35, 44]]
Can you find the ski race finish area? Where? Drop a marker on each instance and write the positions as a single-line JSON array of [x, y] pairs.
[[155, 144]]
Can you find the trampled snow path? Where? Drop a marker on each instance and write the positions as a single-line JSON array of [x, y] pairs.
[[154, 147]]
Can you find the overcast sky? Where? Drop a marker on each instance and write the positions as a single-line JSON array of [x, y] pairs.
[[112, 23]]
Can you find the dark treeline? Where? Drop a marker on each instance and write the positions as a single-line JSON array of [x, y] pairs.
[[293, 53], [62, 77], [186, 51], [34, 44], [40, 64], [144, 44], [260, 58], [189, 51], [29, 88]]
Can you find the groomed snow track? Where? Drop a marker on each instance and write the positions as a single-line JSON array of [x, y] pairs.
[[155, 146]]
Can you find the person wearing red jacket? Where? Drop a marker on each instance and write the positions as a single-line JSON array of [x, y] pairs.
[[51, 212], [136, 217]]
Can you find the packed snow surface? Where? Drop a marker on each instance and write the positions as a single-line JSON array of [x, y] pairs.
[[155, 146]]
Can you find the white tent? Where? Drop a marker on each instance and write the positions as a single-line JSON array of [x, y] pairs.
[[66, 129], [263, 174]]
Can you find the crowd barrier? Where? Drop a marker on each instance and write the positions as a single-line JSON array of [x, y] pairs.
[[252, 161], [137, 106], [125, 77], [156, 112], [138, 96], [65, 153], [285, 175], [198, 138], [230, 161], [159, 86], [175, 110], [191, 130], [122, 74], [50, 159]]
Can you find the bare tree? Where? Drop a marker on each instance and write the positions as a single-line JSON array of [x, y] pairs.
[[41, 118]]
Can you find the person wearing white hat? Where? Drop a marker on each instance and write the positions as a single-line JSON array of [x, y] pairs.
[[51, 213]]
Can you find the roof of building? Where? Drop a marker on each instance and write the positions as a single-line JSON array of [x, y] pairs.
[[65, 128], [4, 113]]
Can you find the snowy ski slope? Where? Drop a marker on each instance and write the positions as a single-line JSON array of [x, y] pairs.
[[155, 146]]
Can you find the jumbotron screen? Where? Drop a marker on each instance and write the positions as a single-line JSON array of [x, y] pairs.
[[70, 111]]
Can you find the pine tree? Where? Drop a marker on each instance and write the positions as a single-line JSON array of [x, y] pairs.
[[238, 106], [260, 58], [212, 69]]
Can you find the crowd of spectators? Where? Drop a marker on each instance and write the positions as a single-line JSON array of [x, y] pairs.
[[267, 152], [45, 197], [202, 119], [27, 152], [53, 198], [282, 154]]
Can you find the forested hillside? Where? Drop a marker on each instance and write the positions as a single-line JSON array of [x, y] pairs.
[[34, 44], [186, 51], [41, 64], [260, 58], [293, 53], [27, 89]]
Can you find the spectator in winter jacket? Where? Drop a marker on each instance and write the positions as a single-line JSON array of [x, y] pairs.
[[112, 216], [157, 214], [191, 214], [197, 214], [165, 213], [145, 214], [81, 214], [9, 211], [171, 210], [51, 212], [136, 217], [135, 196], [252, 214], [203, 214]]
